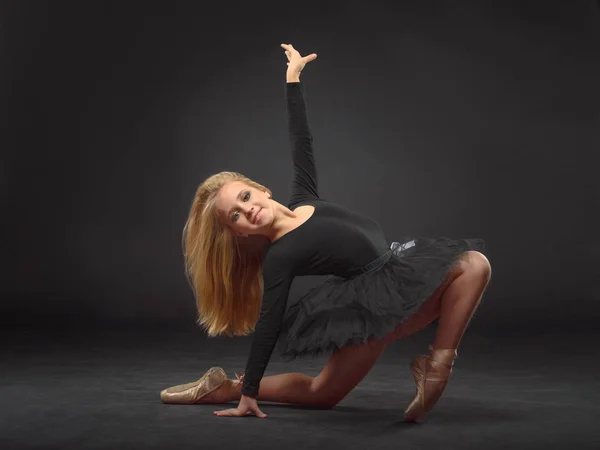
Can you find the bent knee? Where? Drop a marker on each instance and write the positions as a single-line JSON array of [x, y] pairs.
[[322, 399], [327, 403], [476, 263]]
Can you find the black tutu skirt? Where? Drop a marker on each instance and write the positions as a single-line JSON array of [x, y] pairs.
[[371, 303]]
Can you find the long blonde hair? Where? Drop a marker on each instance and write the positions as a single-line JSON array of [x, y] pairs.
[[224, 270]]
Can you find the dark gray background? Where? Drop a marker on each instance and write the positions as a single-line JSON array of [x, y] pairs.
[[464, 119]]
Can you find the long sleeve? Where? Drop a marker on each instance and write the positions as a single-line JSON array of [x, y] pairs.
[[304, 183], [277, 282]]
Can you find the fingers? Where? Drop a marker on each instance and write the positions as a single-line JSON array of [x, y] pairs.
[[289, 49], [258, 413], [310, 58], [233, 412]]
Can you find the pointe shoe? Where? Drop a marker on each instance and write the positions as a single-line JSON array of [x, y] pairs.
[[196, 391], [431, 374]]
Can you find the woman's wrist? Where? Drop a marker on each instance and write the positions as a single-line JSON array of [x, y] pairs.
[[293, 78]]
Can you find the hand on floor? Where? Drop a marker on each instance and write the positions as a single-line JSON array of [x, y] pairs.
[[246, 407]]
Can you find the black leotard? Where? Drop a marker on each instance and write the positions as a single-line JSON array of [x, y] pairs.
[[333, 241]]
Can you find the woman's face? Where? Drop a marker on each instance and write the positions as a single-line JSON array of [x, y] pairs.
[[244, 209]]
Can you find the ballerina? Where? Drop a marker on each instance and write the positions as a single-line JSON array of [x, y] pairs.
[[243, 249]]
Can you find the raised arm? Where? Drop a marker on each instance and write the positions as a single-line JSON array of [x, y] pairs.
[[304, 182], [276, 270]]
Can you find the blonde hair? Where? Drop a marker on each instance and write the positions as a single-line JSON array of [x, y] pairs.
[[224, 270]]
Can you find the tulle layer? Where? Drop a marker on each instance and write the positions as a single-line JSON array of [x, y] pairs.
[[370, 305]]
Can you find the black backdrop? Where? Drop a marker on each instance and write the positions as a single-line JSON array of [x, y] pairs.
[[436, 118]]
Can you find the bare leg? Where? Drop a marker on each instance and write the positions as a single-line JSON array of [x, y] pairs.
[[461, 299], [349, 365], [344, 370], [429, 311], [454, 302], [458, 303]]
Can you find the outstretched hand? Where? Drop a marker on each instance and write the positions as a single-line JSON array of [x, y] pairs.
[[246, 407], [296, 61]]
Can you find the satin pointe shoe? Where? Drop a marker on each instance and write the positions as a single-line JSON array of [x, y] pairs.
[[196, 391], [431, 374]]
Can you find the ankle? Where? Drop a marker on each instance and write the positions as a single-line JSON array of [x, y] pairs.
[[445, 356]]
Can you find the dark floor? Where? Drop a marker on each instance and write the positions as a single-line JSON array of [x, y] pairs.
[[101, 390]]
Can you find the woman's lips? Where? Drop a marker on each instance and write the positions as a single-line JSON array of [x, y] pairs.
[[257, 216]]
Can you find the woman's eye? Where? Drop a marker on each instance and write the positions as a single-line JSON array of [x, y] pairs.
[[246, 197]]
